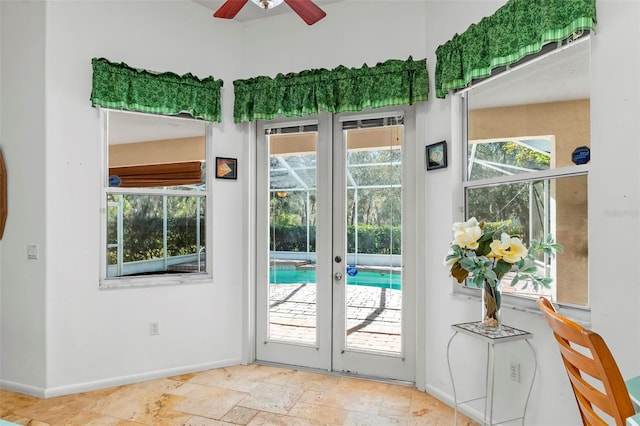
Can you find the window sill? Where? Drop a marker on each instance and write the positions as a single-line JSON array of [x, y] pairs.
[[155, 281], [581, 315]]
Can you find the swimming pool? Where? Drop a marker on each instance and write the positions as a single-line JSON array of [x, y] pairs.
[[383, 279]]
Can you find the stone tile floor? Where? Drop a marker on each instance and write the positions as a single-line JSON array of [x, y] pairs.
[[254, 395], [373, 315]]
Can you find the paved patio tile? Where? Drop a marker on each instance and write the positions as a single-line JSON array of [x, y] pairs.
[[373, 315]]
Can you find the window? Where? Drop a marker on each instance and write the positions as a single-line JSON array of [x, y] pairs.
[[522, 128], [156, 199]]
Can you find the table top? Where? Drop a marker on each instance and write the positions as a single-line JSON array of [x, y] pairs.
[[502, 334], [633, 386]]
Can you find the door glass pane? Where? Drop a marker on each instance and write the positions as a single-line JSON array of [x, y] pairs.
[[292, 234], [374, 238]]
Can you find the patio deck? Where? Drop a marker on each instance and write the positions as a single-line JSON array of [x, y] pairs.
[[373, 315]]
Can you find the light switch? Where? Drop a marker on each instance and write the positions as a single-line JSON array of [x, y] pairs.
[[32, 251]]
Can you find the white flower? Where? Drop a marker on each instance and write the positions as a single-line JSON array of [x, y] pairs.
[[466, 234]]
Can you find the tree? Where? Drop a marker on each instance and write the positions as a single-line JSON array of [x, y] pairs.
[[507, 202], [373, 197]]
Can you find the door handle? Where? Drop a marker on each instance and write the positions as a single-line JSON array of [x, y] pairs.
[[338, 276]]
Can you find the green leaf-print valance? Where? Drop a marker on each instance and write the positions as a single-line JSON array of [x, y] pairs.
[[517, 29], [393, 82], [118, 86]]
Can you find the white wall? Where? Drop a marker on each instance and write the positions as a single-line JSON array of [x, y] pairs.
[[353, 33], [22, 301], [51, 136], [614, 206], [614, 191], [93, 337]]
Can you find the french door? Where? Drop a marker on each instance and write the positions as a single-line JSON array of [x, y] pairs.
[[331, 284]]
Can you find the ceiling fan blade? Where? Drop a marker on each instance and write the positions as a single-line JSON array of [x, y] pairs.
[[230, 9], [307, 10]]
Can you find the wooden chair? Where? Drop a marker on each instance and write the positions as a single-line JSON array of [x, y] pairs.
[[593, 372]]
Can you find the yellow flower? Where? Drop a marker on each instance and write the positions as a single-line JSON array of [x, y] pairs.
[[508, 248], [466, 234]]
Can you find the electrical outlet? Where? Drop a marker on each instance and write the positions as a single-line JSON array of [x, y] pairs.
[[514, 371], [154, 328]]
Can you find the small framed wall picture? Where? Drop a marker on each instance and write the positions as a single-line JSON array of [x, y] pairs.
[[436, 155], [226, 168]]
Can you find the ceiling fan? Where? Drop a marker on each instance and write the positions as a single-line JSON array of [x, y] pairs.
[[306, 9]]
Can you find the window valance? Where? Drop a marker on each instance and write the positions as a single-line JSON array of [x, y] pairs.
[[118, 86], [393, 82], [517, 29]]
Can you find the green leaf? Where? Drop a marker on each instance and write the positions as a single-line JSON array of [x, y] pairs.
[[502, 267], [515, 280], [451, 256], [488, 236], [468, 263], [484, 248], [491, 276], [546, 282], [477, 281]]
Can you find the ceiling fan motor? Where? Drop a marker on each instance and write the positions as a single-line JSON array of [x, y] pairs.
[[267, 4], [306, 9]]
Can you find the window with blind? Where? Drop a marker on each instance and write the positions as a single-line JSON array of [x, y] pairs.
[[524, 128], [156, 199]]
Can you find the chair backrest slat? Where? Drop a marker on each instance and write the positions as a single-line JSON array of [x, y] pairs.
[[591, 394], [575, 357], [592, 370]]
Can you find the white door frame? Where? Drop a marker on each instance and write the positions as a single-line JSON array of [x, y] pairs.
[[411, 251]]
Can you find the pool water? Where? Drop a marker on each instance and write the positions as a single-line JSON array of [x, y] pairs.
[[381, 279]]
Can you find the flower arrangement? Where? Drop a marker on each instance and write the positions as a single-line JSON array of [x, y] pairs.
[[485, 256]]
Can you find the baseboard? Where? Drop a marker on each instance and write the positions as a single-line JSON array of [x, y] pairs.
[[447, 398], [115, 381], [22, 388]]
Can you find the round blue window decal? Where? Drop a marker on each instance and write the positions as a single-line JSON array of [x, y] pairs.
[[114, 180], [581, 155], [352, 271]]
